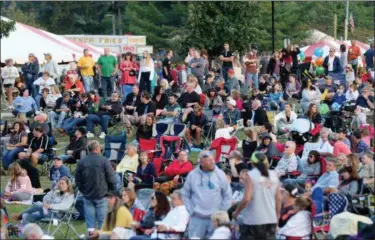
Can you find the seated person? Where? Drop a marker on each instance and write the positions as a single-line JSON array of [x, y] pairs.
[[289, 162], [144, 109], [43, 82], [57, 171], [79, 113], [338, 146], [267, 129], [37, 149], [130, 160], [196, 121], [328, 88], [236, 164], [106, 111], [288, 202], [175, 221], [60, 111], [74, 86], [43, 99], [16, 144], [132, 100], [323, 143], [189, 98], [264, 85], [159, 208], [339, 97], [61, 199], [25, 104], [160, 98], [365, 100], [231, 114], [352, 93], [223, 130], [76, 146], [276, 101], [330, 179], [50, 100], [300, 224], [314, 116], [362, 147], [129, 197], [19, 186], [221, 225], [145, 130], [222, 90], [268, 147], [209, 84], [367, 172], [236, 96], [292, 88], [215, 101], [349, 181], [178, 168], [256, 116], [310, 168], [117, 216], [145, 174], [171, 111], [41, 121], [284, 120]]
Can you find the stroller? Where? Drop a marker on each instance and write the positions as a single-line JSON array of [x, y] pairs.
[[300, 131]]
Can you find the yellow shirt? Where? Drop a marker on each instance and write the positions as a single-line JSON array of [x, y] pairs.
[[123, 220], [86, 61]]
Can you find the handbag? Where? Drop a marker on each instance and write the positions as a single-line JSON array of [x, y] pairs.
[[132, 73]]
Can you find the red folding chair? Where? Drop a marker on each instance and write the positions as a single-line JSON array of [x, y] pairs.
[[148, 145], [223, 147], [165, 149], [138, 214]]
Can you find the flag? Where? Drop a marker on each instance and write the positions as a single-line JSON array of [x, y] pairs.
[[351, 23]]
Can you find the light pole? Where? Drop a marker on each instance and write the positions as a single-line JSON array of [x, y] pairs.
[[273, 26]]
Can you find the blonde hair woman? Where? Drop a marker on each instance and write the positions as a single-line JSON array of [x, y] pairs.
[[193, 80], [146, 72], [53, 95], [19, 186], [221, 224]]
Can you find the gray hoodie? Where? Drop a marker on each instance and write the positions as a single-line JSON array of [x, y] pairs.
[[198, 70], [205, 193]]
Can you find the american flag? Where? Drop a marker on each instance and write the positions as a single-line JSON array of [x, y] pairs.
[[351, 23]]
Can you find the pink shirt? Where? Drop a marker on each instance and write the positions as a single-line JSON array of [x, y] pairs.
[[340, 147]]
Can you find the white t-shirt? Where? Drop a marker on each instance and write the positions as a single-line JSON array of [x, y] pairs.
[[330, 63]]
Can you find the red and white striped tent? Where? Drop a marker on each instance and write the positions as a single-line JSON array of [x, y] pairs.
[[26, 39], [325, 45]]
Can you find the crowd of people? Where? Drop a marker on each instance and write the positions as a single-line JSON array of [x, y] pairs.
[[308, 138]]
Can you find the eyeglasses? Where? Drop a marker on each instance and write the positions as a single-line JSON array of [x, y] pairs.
[[153, 198], [286, 146]]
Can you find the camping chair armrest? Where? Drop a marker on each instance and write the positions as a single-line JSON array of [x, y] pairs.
[[294, 174], [275, 158]]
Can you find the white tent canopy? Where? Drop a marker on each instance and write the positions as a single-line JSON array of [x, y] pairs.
[[26, 39]]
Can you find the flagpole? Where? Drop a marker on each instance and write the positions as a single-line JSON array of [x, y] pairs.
[[346, 20]]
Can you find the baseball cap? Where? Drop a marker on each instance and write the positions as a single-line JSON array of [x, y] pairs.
[[48, 54], [57, 158], [31, 55], [291, 189], [231, 102]]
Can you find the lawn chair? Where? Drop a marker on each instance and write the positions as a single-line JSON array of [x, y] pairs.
[[114, 147], [178, 129], [208, 132], [144, 197], [116, 124], [223, 148], [149, 146], [63, 218], [160, 129]]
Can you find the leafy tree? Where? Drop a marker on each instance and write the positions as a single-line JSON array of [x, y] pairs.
[[6, 27], [210, 24]]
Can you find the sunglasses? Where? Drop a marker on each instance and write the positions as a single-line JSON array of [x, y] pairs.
[[287, 146]]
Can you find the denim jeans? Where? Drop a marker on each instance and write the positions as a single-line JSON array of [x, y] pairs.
[[95, 211], [103, 120], [224, 71], [52, 116], [252, 77], [88, 82], [37, 98], [10, 156], [34, 213], [30, 84], [70, 123], [107, 86], [199, 228]]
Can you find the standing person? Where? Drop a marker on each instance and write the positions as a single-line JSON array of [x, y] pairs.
[[261, 203], [188, 59], [206, 191], [146, 72], [204, 55], [343, 57], [30, 72], [331, 63], [9, 73], [128, 68], [274, 65], [95, 178], [227, 57], [353, 53], [263, 63], [86, 66], [51, 67], [167, 66], [251, 63], [107, 67], [369, 54], [197, 67]]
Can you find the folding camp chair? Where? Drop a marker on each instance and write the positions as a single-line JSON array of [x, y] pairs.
[[149, 146], [178, 129], [160, 129], [208, 132], [169, 145], [144, 197], [114, 147], [116, 124], [223, 148], [62, 218]]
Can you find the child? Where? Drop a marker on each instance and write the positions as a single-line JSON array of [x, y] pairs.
[[352, 93], [308, 186], [339, 97], [19, 186], [264, 85]]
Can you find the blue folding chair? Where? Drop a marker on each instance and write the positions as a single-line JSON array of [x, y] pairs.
[[114, 147]]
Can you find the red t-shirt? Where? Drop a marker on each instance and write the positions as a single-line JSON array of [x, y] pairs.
[[340, 147]]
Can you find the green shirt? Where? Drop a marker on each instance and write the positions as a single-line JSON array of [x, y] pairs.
[[107, 64]]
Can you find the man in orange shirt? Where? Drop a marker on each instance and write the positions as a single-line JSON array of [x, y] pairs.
[[353, 54], [338, 146]]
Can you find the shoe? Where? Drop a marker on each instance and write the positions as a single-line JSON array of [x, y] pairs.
[[102, 135], [90, 135]]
